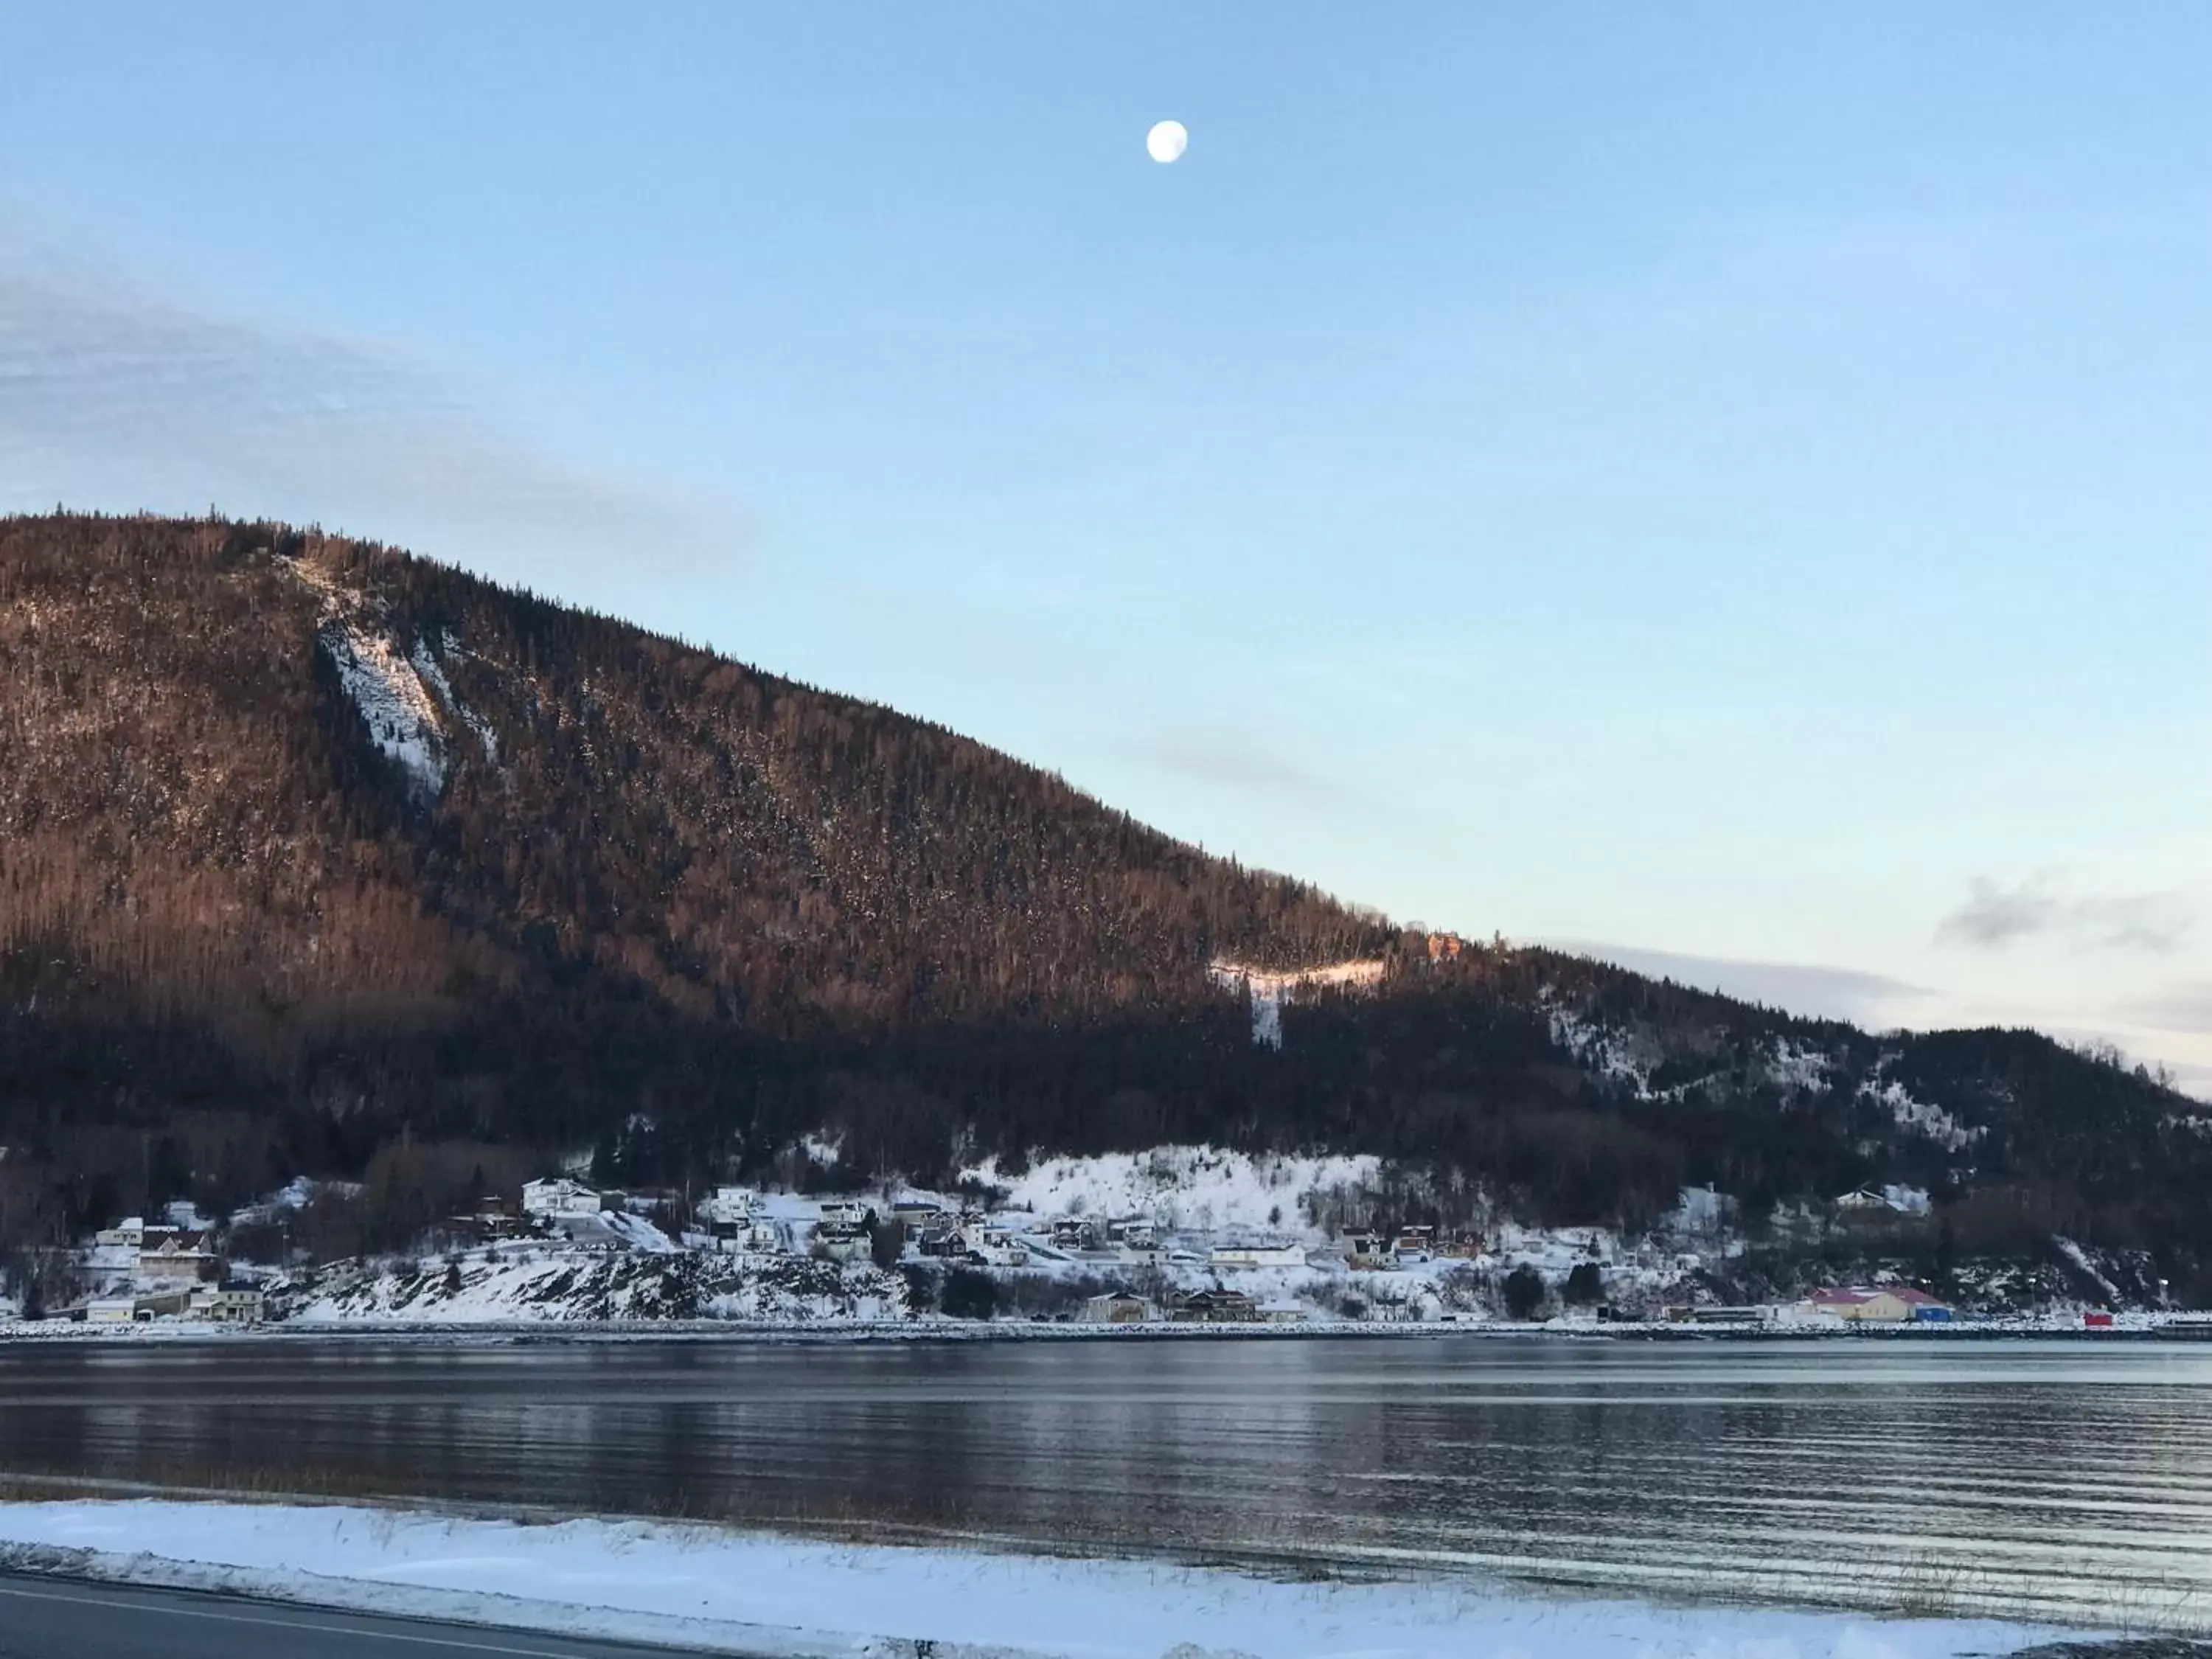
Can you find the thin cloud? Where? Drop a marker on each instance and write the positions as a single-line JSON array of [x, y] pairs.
[[114, 395], [1235, 766], [1994, 916], [2186, 1009], [1802, 988]]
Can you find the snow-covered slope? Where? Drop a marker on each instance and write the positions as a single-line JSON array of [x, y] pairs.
[[560, 1285], [385, 686], [1194, 1187]]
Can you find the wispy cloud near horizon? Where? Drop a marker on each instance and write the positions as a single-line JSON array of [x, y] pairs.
[[1799, 987], [1994, 916], [2186, 1008], [116, 395], [1230, 763]]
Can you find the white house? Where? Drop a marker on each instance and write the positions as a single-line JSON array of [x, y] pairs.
[[559, 1197], [179, 1258], [1117, 1308], [129, 1233], [757, 1234], [846, 1214], [231, 1304], [1366, 1251], [1002, 1247], [730, 1206]]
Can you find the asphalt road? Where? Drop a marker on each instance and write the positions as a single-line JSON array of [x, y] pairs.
[[55, 1618]]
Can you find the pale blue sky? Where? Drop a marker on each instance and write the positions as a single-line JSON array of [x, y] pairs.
[[1731, 480]]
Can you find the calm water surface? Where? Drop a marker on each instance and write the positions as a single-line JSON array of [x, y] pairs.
[[2053, 1477]]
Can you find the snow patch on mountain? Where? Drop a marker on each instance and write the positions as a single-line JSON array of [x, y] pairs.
[[433, 675], [404, 696], [1627, 1057], [402, 716], [1272, 990], [1200, 1188], [1798, 1067], [1918, 1116], [2075, 1253]]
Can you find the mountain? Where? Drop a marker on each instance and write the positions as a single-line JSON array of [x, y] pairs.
[[317, 857]]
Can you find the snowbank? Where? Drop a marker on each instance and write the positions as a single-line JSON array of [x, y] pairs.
[[780, 1598]]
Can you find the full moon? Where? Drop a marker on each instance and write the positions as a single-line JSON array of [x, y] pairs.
[[1166, 141]]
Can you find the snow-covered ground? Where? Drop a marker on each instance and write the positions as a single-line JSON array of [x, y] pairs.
[[1198, 1187], [717, 1590]]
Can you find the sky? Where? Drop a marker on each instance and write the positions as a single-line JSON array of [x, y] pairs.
[[1727, 488]]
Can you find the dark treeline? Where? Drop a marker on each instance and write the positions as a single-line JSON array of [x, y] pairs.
[[683, 912]]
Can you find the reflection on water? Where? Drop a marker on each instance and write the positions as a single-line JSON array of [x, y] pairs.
[[2054, 1477]]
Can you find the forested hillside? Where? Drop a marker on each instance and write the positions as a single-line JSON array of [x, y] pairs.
[[314, 855]]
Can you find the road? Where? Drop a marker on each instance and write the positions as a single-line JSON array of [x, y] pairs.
[[57, 1619]]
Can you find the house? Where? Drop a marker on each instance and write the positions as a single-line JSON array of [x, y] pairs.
[[943, 1240], [918, 1213], [179, 1258], [755, 1236], [111, 1310], [492, 1218], [1864, 1199], [129, 1233], [1134, 1232], [1265, 1253], [738, 1221], [1117, 1308], [1215, 1308], [729, 1206], [1282, 1313], [559, 1198], [843, 1243], [1366, 1252], [1884, 1304], [1414, 1244], [846, 1215], [1074, 1233], [227, 1304], [1000, 1247], [171, 1303]]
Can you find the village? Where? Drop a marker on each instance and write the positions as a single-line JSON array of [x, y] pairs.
[[949, 1258]]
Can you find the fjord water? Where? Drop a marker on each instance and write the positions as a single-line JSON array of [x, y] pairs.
[[2037, 1478]]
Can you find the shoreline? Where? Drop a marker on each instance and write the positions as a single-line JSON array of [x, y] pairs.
[[30, 1332]]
